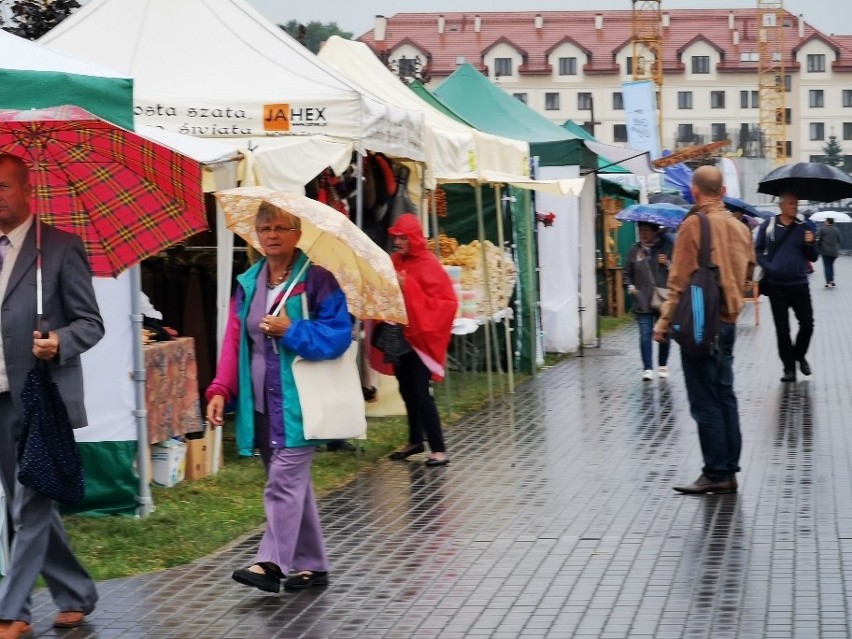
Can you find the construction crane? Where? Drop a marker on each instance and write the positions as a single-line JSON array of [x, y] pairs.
[[648, 50], [771, 79]]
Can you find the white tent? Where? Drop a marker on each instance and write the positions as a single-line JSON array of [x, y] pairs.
[[217, 68]]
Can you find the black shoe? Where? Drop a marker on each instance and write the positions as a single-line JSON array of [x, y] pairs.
[[702, 486], [789, 376], [805, 367], [408, 452], [437, 462], [268, 581], [305, 579], [370, 393]]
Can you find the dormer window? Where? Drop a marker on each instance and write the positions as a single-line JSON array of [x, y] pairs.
[[816, 62], [701, 64], [502, 67]]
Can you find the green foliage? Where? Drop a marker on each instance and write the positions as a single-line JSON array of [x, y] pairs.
[[314, 33], [31, 19], [833, 152]]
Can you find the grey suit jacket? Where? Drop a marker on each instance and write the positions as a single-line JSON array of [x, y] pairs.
[[70, 309]]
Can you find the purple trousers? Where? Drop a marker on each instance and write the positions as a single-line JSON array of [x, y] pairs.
[[293, 536]]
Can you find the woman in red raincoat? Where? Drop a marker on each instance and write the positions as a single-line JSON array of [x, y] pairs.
[[431, 305]]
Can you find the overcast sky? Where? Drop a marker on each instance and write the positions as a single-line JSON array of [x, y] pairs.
[[829, 16]]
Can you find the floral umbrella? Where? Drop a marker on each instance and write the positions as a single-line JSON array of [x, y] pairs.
[[127, 198], [662, 214], [362, 268]]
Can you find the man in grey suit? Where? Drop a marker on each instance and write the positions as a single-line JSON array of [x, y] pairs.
[[39, 545]]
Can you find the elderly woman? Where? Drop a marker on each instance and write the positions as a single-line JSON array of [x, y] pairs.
[[255, 370]]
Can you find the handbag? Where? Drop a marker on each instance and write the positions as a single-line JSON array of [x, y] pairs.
[[329, 390], [390, 339], [658, 297], [49, 460], [330, 396]]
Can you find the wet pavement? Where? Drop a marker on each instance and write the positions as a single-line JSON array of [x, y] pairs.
[[557, 518]]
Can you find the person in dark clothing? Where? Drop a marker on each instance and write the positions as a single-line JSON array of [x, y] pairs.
[[647, 268], [828, 241], [785, 246]]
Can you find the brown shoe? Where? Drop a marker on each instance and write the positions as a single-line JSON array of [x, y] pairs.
[[702, 486], [15, 630], [69, 619]]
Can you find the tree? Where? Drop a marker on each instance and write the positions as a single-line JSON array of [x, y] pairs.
[[31, 19], [314, 34], [833, 152]]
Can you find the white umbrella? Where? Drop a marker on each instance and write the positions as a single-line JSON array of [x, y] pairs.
[[838, 216]]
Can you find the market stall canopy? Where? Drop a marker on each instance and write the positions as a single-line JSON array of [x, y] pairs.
[[455, 152], [489, 108], [217, 68], [32, 76], [604, 165]]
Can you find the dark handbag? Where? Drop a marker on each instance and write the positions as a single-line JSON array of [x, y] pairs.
[[49, 460], [390, 339]]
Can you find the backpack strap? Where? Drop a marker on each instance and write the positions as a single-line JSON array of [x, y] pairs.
[[704, 251]]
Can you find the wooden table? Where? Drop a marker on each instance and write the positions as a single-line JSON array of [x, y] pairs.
[[171, 389]]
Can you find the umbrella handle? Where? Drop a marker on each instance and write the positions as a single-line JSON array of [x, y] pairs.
[[43, 327]]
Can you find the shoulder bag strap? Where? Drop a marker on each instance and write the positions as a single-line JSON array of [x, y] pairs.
[[289, 290]]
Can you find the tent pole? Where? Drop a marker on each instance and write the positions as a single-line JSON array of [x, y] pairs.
[[146, 505], [501, 240], [480, 222], [359, 190], [433, 213]]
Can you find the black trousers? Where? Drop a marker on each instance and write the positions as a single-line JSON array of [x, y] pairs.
[[423, 418], [798, 298]]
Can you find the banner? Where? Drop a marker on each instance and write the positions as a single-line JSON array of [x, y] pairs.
[[640, 106]]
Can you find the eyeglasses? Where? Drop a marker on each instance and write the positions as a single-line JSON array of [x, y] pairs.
[[266, 230]]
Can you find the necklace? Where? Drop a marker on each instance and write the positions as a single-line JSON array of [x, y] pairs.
[[278, 281]]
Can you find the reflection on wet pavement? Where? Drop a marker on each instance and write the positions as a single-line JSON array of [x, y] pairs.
[[557, 519]]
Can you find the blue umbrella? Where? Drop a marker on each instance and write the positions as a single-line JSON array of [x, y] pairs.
[[735, 204], [661, 214]]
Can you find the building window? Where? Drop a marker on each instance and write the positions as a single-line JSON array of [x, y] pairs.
[[684, 99], [717, 99], [788, 83], [502, 67], [628, 63], [701, 64], [816, 98], [617, 101], [551, 101], [685, 134], [847, 130], [816, 62], [847, 98], [718, 131], [619, 132], [788, 116], [522, 97], [749, 100], [567, 66], [584, 101], [817, 130], [407, 67]]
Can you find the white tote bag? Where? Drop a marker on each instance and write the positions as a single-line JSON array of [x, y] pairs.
[[331, 397], [329, 389]]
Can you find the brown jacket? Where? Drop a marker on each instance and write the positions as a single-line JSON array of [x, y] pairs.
[[731, 250]]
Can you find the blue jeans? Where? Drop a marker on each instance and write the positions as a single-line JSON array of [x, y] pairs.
[[713, 405], [646, 334], [828, 265]]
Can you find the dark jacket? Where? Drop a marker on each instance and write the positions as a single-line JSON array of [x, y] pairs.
[[644, 271], [828, 240], [787, 262]]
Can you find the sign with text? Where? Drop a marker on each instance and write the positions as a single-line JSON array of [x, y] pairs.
[[640, 107]]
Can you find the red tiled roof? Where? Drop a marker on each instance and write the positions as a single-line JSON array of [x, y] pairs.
[[517, 28]]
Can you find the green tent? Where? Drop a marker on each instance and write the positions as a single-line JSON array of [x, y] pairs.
[[604, 165], [427, 96], [32, 76]]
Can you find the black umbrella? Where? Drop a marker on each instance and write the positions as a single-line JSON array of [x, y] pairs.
[[813, 181], [668, 198]]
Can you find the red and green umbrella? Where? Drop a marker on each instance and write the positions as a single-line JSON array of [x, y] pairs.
[[126, 197]]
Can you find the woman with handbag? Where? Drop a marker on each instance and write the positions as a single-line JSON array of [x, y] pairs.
[[419, 350], [256, 372], [645, 275]]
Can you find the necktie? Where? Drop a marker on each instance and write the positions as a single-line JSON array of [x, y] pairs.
[[4, 248]]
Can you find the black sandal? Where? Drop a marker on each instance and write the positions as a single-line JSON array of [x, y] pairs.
[[305, 579], [269, 581]]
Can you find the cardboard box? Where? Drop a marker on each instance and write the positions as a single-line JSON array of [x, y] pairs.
[[168, 460], [198, 457]]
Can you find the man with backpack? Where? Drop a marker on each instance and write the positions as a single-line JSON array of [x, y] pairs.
[[786, 246], [708, 365]]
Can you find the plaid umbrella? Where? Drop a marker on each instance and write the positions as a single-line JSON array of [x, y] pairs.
[[128, 198], [329, 239]]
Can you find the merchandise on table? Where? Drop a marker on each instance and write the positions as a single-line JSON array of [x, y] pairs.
[[501, 275]]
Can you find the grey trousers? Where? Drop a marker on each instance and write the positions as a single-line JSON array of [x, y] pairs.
[[39, 545]]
